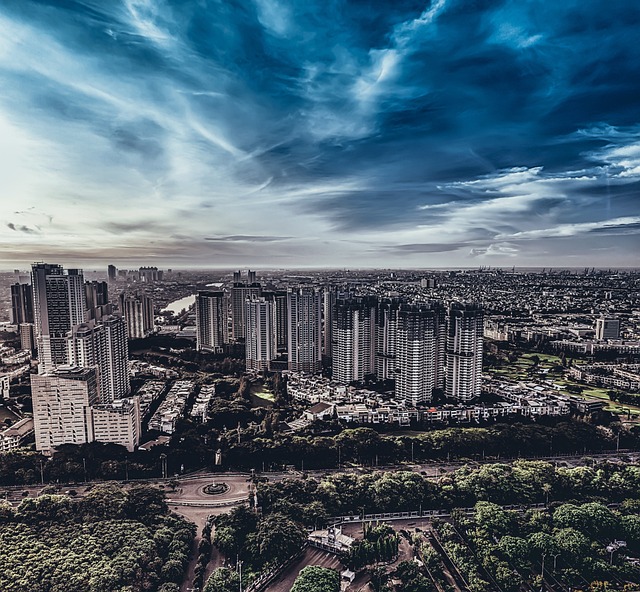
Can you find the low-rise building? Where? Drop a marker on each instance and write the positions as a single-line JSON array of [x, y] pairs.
[[13, 437]]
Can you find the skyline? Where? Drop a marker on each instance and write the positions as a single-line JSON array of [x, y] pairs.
[[315, 135]]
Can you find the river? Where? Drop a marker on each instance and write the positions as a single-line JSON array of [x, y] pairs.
[[177, 306]]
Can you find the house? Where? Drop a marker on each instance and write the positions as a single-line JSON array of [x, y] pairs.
[[319, 411]]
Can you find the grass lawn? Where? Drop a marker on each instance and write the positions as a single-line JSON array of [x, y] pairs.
[[261, 396]]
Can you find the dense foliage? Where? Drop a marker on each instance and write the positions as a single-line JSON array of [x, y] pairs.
[[112, 540], [523, 482], [317, 579]]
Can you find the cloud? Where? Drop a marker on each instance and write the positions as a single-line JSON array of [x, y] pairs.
[[324, 133]]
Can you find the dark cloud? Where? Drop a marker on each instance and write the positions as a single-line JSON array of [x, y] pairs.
[[211, 120]]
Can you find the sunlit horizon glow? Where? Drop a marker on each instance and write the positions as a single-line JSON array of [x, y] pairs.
[[311, 134]]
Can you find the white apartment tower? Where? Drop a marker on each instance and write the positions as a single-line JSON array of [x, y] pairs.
[[102, 346], [137, 311], [386, 338], [59, 304], [353, 339], [240, 293], [464, 352], [304, 335], [419, 368], [260, 336], [211, 321]]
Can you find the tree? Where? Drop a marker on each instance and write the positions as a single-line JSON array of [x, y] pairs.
[[222, 580], [277, 538], [317, 579]]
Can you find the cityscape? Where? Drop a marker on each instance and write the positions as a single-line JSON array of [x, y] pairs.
[[219, 394], [319, 296]]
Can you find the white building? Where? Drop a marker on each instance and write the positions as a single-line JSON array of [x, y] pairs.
[[59, 304], [118, 422], [211, 321], [419, 360], [464, 352], [260, 338], [353, 334], [137, 311], [13, 437], [62, 406], [304, 330]]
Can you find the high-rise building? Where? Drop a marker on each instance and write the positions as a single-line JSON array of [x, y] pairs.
[[240, 293], [137, 311], [419, 369], [279, 300], [59, 304], [260, 338], [304, 312], [465, 329], [386, 337], [112, 273], [21, 304], [28, 337], [607, 328], [97, 299], [353, 344], [150, 274], [87, 348], [117, 358], [62, 401], [211, 321]]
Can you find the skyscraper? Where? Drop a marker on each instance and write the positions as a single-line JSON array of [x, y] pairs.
[[59, 304], [97, 299], [112, 273], [211, 321], [353, 344], [21, 304], [419, 368], [304, 312], [240, 292], [386, 337], [465, 329], [260, 338], [137, 311], [102, 345]]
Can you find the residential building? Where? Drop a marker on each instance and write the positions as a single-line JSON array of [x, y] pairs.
[[304, 313], [211, 320], [239, 294], [418, 360], [28, 337], [137, 311], [465, 331], [353, 345], [5, 386], [260, 337], [15, 436], [59, 304], [21, 304]]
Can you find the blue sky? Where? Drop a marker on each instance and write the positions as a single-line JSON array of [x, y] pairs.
[[315, 133]]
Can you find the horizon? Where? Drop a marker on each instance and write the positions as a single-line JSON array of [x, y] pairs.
[[284, 134]]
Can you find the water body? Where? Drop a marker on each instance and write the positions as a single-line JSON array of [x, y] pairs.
[[177, 306], [215, 285]]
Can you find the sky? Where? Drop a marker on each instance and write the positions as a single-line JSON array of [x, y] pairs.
[[272, 133]]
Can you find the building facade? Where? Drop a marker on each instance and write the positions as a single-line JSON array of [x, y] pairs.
[[137, 311], [59, 304], [464, 352], [211, 321], [304, 313], [260, 340]]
